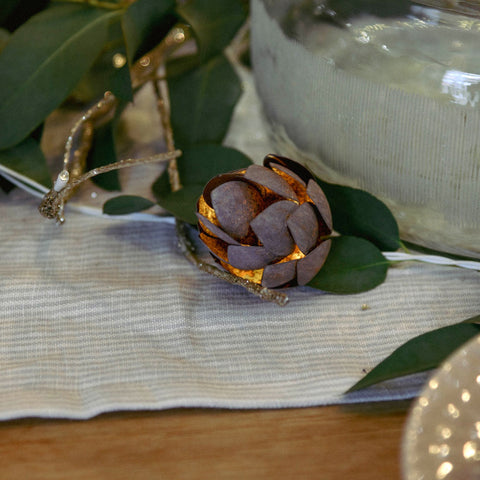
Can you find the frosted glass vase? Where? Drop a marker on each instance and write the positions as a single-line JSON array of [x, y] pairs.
[[384, 96]]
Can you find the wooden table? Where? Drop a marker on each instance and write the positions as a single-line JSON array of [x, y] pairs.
[[350, 442]]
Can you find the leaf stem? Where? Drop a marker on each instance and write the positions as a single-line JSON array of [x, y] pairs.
[[403, 247], [188, 250]]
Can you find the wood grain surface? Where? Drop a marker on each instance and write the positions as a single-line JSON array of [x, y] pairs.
[[334, 442]]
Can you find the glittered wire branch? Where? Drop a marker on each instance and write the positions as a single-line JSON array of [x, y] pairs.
[[144, 71]]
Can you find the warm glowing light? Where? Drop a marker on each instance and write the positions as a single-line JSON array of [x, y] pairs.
[[423, 401], [433, 449], [469, 450], [453, 410], [466, 395], [119, 60], [446, 432], [443, 470]]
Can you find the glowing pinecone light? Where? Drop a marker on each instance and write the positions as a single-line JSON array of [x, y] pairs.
[[267, 224]]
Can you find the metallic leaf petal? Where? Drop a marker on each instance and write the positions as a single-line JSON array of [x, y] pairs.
[[217, 247], [303, 226], [236, 203], [320, 200], [249, 257], [217, 231], [309, 266], [289, 172], [219, 180], [266, 177], [270, 226], [274, 160], [279, 274], [254, 276]]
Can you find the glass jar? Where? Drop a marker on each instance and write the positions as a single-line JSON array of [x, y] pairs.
[[384, 96]]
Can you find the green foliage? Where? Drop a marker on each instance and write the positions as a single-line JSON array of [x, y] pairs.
[[126, 204], [214, 23], [14, 13], [202, 102], [356, 212], [197, 165], [145, 24], [421, 353], [8, 7], [4, 37], [56, 47], [353, 265], [103, 75], [27, 157], [102, 153]]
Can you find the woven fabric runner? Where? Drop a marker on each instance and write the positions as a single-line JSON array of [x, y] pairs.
[[103, 314]]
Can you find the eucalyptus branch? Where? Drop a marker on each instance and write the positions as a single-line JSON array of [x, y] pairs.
[[188, 249]]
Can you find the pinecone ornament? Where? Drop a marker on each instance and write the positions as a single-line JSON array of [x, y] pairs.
[[267, 223]]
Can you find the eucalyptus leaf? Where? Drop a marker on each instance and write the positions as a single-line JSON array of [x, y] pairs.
[[15, 12], [4, 37], [421, 353], [43, 61], [102, 153], [126, 204], [106, 74], [202, 102], [181, 203], [358, 213], [353, 265], [27, 159], [430, 251], [8, 6], [145, 24], [214, 22], [197, 165], [182, 64], [38, 133]]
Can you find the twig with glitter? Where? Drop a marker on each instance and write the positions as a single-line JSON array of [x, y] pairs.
[[53, 202], [188, 249]]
